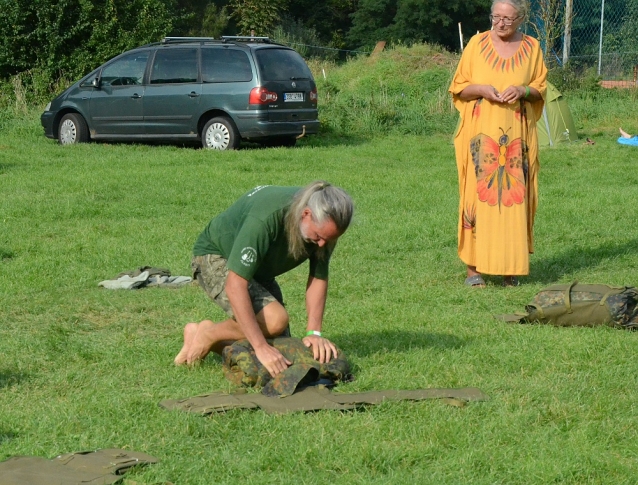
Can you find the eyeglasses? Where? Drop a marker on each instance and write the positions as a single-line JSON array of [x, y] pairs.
[[506, 20]]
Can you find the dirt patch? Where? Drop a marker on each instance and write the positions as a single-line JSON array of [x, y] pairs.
[[618, 84]]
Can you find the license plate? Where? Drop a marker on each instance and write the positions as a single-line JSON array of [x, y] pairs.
[[293, 97]]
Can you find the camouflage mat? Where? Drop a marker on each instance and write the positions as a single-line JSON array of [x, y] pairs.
[[99, 467], [315, 398], [242, 368]]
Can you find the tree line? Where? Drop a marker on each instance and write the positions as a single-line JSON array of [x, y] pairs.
[[64, 39], [68, 38]]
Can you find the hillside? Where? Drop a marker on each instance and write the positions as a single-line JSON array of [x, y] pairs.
[[400, 90]]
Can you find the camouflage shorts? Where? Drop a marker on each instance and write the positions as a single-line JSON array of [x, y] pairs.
[[211, 273]]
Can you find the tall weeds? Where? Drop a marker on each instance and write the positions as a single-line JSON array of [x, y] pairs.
[[402, 90], [19, 94]]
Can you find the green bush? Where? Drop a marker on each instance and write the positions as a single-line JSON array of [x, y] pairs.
[[570, 78], [68, 38], [303, 39], [400, 90]]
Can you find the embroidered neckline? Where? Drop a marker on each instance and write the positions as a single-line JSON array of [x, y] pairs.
[[497, 62]]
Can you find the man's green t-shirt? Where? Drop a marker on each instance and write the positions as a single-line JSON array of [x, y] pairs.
[[250, 235]]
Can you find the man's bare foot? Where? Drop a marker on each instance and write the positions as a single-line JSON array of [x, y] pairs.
[[190, 330], [624, 134], [202, 342]]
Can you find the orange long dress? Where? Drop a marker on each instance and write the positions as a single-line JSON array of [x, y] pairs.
[[497, 157]]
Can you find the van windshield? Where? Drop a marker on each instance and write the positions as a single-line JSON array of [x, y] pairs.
[[281, 65]]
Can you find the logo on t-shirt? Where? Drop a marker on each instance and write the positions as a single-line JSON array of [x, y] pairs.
[[257, 189], [248, 256]]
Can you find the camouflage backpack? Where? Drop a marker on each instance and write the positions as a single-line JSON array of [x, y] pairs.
[[242, 368], [581, 305]]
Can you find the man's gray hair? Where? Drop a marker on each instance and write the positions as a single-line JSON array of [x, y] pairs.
[[325, 201], [520, 6]]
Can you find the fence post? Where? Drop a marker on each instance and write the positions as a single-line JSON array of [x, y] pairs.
[[378, 48], [600, 42], [567, 36]]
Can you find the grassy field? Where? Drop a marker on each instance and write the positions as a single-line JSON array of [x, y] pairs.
[[84, 368]]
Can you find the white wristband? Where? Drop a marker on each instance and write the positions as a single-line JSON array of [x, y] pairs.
[[313, 332]]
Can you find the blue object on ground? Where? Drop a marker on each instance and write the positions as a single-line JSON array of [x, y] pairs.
[[633, 141]]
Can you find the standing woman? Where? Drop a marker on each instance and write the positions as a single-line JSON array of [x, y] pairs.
[[498, 89]]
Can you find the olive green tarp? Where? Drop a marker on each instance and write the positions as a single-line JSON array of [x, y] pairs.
[[100, 467], [556, 125], [314, 398]]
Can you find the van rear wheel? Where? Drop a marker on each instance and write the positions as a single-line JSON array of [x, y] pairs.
[[220, 134]]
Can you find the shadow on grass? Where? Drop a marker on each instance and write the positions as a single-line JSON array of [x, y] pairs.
[[332, 139], [6, 436], [366, 343], [4, 167], [328, 139], [5, 254], [8, 378], [325, 138], [573, 259]]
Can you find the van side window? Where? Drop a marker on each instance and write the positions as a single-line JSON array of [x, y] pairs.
[[225, 65], [125, 71], [172, 66]]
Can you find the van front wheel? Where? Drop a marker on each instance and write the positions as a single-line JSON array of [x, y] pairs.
[[220, 134], [72, 129]]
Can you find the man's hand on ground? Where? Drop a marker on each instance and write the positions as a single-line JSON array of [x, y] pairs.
[[272, 359], [322, 349]]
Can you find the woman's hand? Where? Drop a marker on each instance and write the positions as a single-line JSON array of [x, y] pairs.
[[490, 93], [512, 94]]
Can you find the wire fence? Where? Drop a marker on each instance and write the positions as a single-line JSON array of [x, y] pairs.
[[593, 37], [321, 52], [589, 37]]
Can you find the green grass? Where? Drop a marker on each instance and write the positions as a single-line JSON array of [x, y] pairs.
[[84, 368]]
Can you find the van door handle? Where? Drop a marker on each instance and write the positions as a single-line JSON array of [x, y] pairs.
[[193, 94], [136, 96]]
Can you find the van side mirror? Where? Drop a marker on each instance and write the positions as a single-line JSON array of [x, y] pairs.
[[96, 83]]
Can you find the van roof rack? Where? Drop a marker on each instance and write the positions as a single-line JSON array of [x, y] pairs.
[[169, 40], [244, 38]]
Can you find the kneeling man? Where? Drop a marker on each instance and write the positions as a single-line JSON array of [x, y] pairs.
[[266, 232]]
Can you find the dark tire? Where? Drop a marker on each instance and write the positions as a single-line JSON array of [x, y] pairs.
[[72, 129], [220, 134]]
